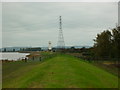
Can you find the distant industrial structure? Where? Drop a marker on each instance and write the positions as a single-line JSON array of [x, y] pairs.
[[61, 43]]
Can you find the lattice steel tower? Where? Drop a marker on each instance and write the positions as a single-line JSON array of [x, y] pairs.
[[61, 43]]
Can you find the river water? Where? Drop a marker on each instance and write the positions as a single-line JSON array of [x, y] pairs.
[[12, 55]]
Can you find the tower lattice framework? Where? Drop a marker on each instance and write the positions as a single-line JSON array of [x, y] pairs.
[[61, 43]]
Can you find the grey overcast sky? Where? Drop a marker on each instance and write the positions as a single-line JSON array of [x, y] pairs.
[[34, 24]]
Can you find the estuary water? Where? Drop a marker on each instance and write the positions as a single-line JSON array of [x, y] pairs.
[[12, 55]]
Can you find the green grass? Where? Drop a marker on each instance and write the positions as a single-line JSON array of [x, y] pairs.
[[62, 71]]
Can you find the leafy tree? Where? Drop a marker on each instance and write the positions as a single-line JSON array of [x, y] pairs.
[[116, 42], [107, 44], [103, 44]]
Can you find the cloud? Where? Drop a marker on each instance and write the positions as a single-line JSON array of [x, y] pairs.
[[35, 24]]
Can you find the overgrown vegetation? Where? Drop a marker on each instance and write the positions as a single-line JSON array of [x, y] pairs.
[[107, 44]]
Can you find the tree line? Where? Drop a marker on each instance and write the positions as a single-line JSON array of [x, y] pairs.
[[30, 49], [106, 47], [107, 44]]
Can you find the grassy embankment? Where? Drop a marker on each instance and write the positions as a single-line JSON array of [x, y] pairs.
[[61, 71]]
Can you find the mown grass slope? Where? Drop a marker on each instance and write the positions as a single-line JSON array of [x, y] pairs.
[[62, 71]]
